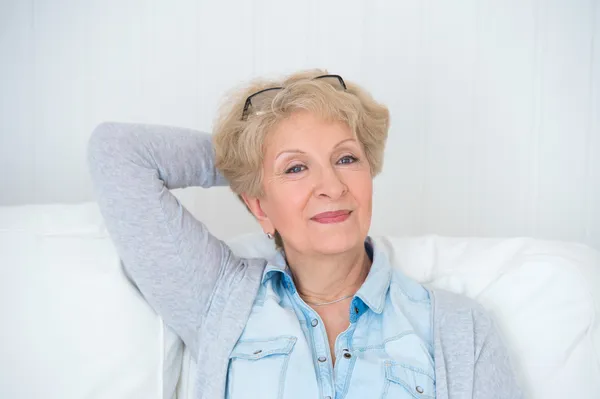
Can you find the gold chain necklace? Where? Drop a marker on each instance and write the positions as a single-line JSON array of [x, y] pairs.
[[329, 303]]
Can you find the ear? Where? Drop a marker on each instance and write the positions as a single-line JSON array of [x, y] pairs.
[[254, 204]]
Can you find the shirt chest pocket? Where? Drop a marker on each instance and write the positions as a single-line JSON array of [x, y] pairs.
[[404, 381], [258, 368]]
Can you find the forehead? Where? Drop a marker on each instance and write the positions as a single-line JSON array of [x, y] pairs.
[[305, 129]]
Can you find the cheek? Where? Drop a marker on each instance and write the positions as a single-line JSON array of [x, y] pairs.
[[287, 201], [361, 185], [362, 190]]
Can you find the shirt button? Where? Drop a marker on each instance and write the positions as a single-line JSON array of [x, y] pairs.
[[322, 359], [356, 310], [419, 389], [327, 397], [347, 355], [314, 322]]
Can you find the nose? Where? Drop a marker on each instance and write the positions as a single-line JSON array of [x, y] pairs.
[[330, 184]]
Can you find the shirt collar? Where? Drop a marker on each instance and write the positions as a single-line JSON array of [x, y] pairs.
[[374, 290], [277, 264], [371, 294]]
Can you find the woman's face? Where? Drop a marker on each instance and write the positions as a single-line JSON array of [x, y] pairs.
[[317, 186]]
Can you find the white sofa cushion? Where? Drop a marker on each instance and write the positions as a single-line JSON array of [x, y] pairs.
[[73, 325], [544, 295]]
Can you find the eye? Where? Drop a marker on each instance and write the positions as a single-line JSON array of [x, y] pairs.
[[296, 169], [348, 159]]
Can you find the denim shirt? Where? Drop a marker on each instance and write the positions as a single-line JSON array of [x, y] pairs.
[[386, 352]]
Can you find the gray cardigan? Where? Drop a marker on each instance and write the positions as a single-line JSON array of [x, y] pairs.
[[205, 293]]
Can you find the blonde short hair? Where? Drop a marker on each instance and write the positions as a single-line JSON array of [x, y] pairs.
[[239, 144]]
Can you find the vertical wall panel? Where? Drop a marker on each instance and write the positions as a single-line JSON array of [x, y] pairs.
[[336, 36], [532, 173], [449, 124], [565, 117], [170, 62], [395, 74], [592, 209], [60, 96], [17, 118], [226, 51], [227, 59], [502, 117], [116, 59], [279, 37]]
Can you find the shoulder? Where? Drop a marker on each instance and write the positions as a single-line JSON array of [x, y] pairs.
[[456, 315], [450, 305]]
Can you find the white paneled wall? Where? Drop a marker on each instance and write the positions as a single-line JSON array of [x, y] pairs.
[[495, 103]]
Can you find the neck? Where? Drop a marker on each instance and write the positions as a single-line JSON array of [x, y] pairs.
[[326, 278]]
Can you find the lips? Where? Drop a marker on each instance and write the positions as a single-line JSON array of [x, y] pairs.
[[332, 217]]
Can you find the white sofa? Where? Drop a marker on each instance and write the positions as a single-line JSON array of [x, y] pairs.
[[74, 327]]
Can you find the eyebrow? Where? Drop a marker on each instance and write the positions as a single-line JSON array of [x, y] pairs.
[[296, 151]]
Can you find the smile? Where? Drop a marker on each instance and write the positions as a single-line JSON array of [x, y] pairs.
[[332, 217]]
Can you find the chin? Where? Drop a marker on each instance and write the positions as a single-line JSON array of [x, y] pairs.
[[335, 244]]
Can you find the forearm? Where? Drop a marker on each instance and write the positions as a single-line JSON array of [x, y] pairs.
[[181, 157]]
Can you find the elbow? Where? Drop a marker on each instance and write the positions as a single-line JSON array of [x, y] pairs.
[[106, 138], [102, 146], [102, 135]]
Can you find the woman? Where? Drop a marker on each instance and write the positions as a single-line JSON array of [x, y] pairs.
[[328, 317]]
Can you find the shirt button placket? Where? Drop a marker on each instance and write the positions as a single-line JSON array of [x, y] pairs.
[[323, 366], [325, 375]]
